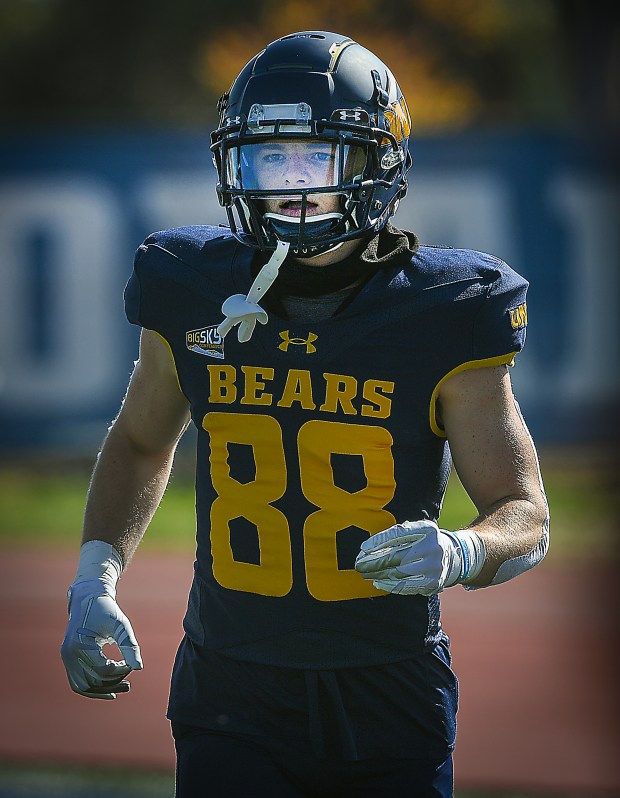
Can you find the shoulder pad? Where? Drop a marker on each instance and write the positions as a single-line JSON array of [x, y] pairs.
[[187, 243]]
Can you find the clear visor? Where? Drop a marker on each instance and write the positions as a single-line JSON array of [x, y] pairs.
[[286, 164]]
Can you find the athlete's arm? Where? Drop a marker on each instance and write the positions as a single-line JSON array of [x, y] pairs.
[[134, 465], [497, 464], [128, 481]]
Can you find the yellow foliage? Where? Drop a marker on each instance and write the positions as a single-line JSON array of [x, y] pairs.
[[438, 96], [435, 101]]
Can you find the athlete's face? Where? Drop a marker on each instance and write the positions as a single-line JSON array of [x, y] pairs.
[[288, 164]]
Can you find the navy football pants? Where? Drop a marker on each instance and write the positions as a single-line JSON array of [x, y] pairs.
[[211, 764]]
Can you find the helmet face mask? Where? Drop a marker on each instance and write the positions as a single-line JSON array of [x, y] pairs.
[[318, 168]]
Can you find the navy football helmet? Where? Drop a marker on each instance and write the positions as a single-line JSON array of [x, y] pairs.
[[324, 96]]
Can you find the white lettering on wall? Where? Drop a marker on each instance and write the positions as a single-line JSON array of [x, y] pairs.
[[468, 209], [80, 220], [87, 230], [176, 199], [589, 209]]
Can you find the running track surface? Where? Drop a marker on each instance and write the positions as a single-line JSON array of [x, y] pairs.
[[535, 659]]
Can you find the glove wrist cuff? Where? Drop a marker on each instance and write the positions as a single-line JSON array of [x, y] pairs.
[[469, 557], [99, 560]]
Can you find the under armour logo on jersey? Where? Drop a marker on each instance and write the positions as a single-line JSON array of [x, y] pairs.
[[307, 342]]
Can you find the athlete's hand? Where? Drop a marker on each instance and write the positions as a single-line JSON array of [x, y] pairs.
[[94, 620], [415, 557]]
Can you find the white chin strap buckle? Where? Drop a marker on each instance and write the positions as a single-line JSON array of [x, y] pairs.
[[245, 310]]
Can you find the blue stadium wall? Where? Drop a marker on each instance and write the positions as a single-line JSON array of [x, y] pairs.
[[73, 209]]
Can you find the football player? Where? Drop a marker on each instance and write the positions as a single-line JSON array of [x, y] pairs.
[[334, 368]]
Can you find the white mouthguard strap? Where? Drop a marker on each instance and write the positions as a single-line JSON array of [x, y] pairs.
[[245, 310], [266, 276]]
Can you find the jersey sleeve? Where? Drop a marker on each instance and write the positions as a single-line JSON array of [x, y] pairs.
[[152, 289], [168, 267], [133, 292], [148, 291], [500, 324], [491, 327]]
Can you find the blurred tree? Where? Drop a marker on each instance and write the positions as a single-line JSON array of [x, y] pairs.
[[461, 63]]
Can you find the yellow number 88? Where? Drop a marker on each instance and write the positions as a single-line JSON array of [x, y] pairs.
[[337, 510]]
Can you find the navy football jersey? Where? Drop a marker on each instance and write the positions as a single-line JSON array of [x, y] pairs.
[[313, 437]]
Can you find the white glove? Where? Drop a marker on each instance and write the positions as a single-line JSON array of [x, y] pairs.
[[418, 558], [94, 620]]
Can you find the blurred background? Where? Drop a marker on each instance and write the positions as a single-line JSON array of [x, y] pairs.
[[105, 115]]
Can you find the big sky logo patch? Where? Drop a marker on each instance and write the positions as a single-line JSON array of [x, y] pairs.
[[205, 341]]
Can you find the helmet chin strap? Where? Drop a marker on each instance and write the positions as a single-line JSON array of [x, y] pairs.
[[288, 227], [244, 310]]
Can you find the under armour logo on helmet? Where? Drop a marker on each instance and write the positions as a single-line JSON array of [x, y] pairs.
[[351, 115], [307, 342]]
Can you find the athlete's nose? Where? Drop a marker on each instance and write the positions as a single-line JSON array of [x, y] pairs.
[[296, 170]]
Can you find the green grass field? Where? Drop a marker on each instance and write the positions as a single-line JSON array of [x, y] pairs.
[[42, 504]]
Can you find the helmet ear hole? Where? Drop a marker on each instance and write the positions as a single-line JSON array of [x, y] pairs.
[[363, 191]]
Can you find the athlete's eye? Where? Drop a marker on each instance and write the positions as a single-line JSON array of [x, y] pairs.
[[321, 157], [272, 157]]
